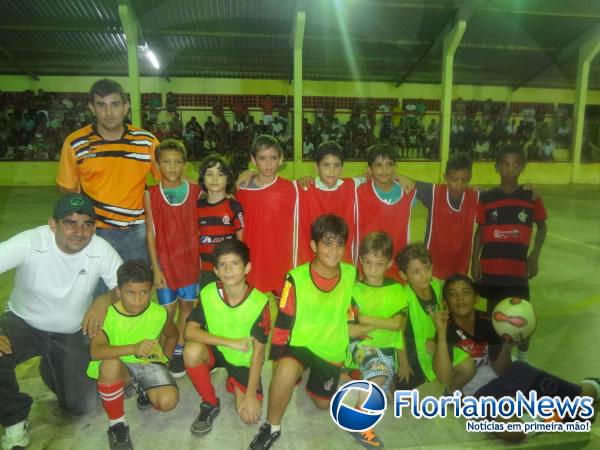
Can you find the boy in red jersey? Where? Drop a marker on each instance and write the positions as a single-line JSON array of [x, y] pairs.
[[501, 265], [452, 209], [269, 204], [325, 194], [172, 235], [329, 194], [311, 329], [382, 203]]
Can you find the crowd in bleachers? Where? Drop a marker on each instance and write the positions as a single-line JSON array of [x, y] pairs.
[[33, 127], [481, 128]]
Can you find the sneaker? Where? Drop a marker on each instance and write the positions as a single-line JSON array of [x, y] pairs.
[[264, 439], [15, 436], [118, 437], [143, 402], [368, 439], [203, 423], [177, 367]]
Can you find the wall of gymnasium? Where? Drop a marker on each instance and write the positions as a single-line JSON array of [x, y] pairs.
[[43, 173]]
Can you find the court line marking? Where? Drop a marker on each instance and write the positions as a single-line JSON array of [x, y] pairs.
[[573, 241]]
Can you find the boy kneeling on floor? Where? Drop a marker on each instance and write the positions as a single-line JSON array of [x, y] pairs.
[[128, 349]]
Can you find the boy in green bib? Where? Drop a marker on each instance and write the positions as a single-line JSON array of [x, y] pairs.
[[423, 295], [229, 328], [311, 330], [380, 310], [128, 348]]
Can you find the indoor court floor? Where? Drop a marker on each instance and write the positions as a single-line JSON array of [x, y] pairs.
[[566, 295]]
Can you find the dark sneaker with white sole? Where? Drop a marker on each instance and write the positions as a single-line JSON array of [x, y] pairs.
[[177, 367], [118, 437], [264, 439], [203, 423]]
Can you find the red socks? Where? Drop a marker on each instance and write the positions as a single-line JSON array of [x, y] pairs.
[[200, 376], [112, 399]]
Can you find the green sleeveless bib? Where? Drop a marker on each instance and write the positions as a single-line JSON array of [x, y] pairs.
[[321, 322], [233, 322], [121, 329], [381, 302], [423, 326]]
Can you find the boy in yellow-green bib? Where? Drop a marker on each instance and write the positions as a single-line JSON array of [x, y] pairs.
[[229, 328], [128, 348], [311, 330], [423, 295], [380, 310]]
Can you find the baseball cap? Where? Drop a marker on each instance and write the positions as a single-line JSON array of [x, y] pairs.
[[73, 203]]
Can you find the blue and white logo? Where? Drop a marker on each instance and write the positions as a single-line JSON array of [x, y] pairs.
[[350, 418]]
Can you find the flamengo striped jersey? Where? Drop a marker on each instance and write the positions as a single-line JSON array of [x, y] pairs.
[[507, 221], [112, 173], [217, 222]]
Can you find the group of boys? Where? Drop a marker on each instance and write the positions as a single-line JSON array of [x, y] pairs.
[[388, 324], [391, 328]]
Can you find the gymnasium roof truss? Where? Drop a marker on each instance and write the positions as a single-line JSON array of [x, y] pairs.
[[465, 11], [508, 42], [563, 55]]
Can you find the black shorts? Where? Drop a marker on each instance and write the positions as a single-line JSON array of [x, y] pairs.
[[416, 379], [495, 294], [525, 378], [324, 375], [237, 376]]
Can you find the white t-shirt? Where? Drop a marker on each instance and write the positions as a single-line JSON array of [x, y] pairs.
[[52, 289]]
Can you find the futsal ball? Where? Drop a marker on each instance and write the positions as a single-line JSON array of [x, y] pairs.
[[514, 319]]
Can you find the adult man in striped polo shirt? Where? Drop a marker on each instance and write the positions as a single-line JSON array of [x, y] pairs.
[[109, 162]]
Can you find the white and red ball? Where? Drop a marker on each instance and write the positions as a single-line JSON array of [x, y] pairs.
[[514, 319]]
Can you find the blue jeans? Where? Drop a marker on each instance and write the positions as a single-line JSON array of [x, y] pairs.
[[130, 243], [63, 368]]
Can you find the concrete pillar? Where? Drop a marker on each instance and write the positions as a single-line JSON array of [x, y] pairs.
[[131, 33], [587, 52], [298, 46], [451, 42]]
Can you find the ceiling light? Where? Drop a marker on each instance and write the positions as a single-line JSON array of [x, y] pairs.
[[153, 59]]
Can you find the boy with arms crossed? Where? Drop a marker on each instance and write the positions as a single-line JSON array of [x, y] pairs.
[[311, 330], [380, 308], [229, 328], [171, 234], [128, 347]]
